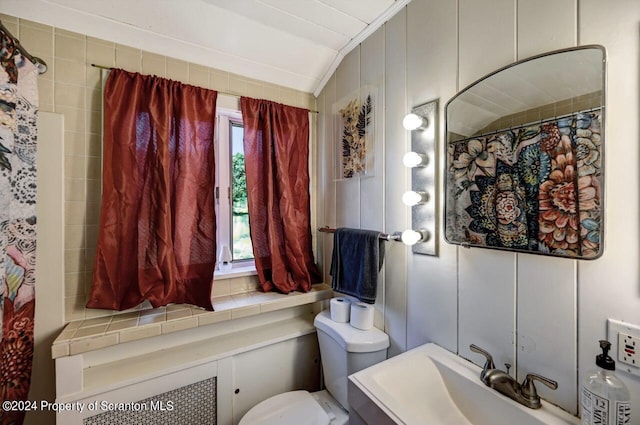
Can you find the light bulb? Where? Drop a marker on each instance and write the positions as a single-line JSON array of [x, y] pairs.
[[414, 122], [414, 159], [412, 237], [412, 198]]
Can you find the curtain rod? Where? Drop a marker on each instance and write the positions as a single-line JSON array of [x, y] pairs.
[[219, 91], [39, 63]]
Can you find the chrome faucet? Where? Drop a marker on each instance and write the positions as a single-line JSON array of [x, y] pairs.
[[525, 394]]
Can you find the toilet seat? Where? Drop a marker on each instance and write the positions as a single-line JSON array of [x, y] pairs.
[[294, 407]]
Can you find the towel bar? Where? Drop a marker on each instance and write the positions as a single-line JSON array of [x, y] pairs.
[[393, 237]]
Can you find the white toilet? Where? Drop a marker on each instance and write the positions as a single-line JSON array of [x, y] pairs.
[[344, 350]]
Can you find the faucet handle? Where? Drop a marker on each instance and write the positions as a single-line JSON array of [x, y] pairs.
[[488, 364], [529, 389]]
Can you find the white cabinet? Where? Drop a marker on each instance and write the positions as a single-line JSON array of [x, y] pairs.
[[251, 359], [293, 364]]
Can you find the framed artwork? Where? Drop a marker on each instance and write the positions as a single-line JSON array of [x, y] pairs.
[[354, 126]]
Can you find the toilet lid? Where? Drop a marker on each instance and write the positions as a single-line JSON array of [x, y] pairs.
[[294, 407]]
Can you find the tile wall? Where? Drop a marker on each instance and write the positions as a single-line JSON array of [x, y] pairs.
[[565, 107], [72, 87]]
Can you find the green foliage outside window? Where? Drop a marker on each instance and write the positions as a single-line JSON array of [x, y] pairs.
[[239, 194], [240, 211]]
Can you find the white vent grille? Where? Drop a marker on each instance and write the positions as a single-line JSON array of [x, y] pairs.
[[193, 404]]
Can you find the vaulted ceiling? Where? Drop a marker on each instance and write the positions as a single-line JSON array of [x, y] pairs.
[[294, 43]]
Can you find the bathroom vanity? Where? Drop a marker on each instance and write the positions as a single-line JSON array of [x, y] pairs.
[[429, 384]]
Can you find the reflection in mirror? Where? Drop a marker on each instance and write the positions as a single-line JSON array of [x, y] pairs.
[[525, 151]]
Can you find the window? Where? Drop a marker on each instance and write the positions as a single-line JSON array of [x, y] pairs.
[[231, 191], [241, 240]]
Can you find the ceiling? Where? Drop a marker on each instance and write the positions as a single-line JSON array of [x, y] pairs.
[[294, 43]]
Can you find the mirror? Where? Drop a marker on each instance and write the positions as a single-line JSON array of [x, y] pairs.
[[524, 165]]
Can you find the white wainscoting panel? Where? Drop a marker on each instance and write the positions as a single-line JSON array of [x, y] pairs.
[[431, 75], [609, 287], [547, 287], [547, 325], [326, 186], [372, 189], [487, 37], [347, 190], [396, 217], [487, 304], [540, 31]]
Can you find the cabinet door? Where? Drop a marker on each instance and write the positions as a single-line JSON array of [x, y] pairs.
[[286, 366]]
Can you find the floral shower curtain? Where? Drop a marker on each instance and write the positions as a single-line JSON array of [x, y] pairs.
[[535, 188], [18, 114]]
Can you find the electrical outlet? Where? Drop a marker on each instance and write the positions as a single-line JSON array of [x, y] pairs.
[[629, 349], [625, 345]]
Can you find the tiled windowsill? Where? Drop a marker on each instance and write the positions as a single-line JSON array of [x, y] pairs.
[[93, 334]]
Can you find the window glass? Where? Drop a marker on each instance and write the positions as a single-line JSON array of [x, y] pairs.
[[241, 240]]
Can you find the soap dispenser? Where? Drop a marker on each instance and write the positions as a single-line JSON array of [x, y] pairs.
[[605, 398]]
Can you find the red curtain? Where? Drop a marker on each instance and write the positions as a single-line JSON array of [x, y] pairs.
[[276, 148], [157, 224]]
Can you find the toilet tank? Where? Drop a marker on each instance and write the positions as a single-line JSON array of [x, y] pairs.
[[345, 350]]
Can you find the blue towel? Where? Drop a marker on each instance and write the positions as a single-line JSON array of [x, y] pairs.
[[357, 258]]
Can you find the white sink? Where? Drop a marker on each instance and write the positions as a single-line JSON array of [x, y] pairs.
[[430, 385]]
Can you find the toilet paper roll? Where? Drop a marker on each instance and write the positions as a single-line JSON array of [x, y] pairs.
[[361, 316], [340, 309]]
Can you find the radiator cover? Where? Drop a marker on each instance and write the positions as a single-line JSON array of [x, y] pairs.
[[193, 404]]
